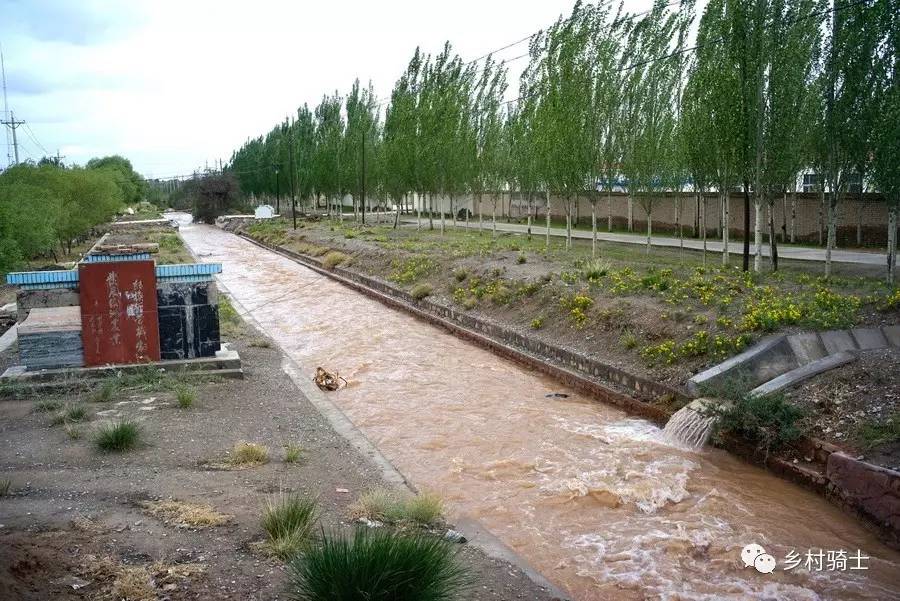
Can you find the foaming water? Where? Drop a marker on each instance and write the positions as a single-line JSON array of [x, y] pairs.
[[691, 425], [592, 498]]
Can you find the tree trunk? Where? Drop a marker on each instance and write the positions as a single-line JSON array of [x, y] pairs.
[[431, 211], [794, 215], [784, 217], [441, 205], [609, 210], [649, 224], [547, 232], [480, 216], [757, 232], [418, 212], [773, 241], [397, 214], [593, 228], [467, 218], [494, 215], [726, 222], [831, 237], [859, 219], [892, 243], [679, 228], [568, 223], [530, 201], [702, 211], [819, 220], [746, 257], [630, 212]]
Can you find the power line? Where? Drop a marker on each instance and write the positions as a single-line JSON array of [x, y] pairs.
[[34, 139]]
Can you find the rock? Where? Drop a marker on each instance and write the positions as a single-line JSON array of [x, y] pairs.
[[873, 490], [455, 537]]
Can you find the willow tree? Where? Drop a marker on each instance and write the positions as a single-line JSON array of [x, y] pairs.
[[304, 153], [886, 141], [358, 144], [562, 117], [490, 149], [329, 147], [606, 75], [849, 84], [792, 51]]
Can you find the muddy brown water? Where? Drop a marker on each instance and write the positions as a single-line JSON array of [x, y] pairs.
[[589, 496]]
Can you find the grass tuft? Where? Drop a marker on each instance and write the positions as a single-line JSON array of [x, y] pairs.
[[289, 521], [246, 454], [5, 486], [385, 506], [292, 453], [48, 405], [185, 395], [334, 258], [876, 433], [116, 437], [186, 515], [106, 391], [421, 291], [377, 564]]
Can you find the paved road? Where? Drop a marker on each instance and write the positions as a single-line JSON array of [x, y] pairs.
[[798, 253]]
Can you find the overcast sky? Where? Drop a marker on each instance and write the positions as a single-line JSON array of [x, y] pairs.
[[174, 85]]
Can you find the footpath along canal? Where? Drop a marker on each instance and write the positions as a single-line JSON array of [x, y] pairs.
[[586, 494]]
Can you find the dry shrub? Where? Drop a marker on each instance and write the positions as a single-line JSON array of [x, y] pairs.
[[185, 515]]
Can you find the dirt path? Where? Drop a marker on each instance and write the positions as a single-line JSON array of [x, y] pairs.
[[71, 507]]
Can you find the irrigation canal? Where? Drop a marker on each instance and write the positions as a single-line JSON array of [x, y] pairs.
[[589, 496]]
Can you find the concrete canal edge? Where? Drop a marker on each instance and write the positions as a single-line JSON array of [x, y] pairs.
[[476, 534], [869, 492]]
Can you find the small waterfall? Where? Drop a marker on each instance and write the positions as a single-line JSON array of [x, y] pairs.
[[691, 425]]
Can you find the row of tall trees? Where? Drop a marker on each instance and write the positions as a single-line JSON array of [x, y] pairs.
[[47, 207], [615, 100]]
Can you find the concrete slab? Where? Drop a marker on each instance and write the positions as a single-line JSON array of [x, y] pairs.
[[9, 337], [869, 338], [892, 333], [807, 346], [760, 363], [795, 376], [836, 341], [52, 319]]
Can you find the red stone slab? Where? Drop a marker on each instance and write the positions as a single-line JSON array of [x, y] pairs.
[[119, 321]]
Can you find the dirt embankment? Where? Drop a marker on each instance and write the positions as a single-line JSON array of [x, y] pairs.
[[168, 520], [661, 315]]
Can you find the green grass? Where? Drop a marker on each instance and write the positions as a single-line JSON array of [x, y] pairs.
[[185, 395], [292, 453], [333, 259], [5, 486], [117, 437], [385, 506], [421, 291], [71, 414], [106, 391], [376, 564], [768, 421], [229, 319], [48, 405], [288, 521], [873, 434], [249, 453]]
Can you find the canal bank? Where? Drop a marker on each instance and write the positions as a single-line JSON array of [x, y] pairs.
[[585, 493]]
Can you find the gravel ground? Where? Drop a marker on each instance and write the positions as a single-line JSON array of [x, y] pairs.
[[842, 402], [69, 507]]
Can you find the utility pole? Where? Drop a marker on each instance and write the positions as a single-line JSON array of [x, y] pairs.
[[13, 124], [291, 154], [59, 158]]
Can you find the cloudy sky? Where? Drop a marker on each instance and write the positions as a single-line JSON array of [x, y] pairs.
[[177, 85]]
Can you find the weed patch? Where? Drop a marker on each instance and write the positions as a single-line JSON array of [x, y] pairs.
[[288, 521], [248, 454], [185, 515], [117, 437]]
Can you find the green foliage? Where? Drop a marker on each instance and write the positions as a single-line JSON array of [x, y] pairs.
[[288, 521], [292, 453], [537, 323], [42, 206], [185, 396], [875, 433], [768, 421], [410, 270], [420, 291], [577, 304], [117, 437], [376, 564]]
